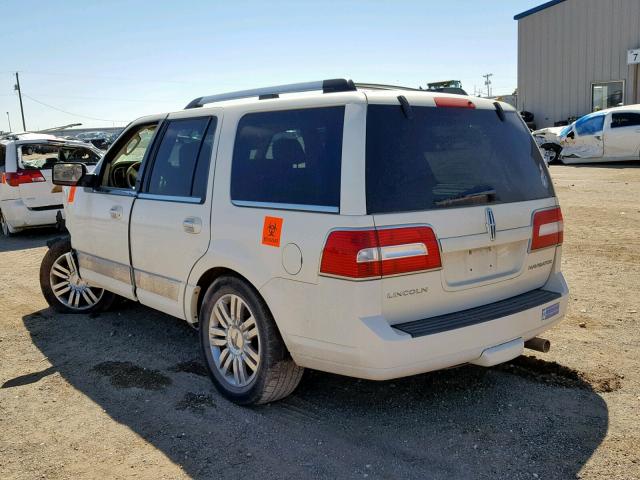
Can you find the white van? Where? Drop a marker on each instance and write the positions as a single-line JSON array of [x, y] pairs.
[[28, 198], [364, 230]]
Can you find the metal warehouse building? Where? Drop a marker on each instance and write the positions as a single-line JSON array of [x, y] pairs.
[[574, 55]]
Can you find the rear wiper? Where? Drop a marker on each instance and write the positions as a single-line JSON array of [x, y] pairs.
[[499, 111], [476, 196]]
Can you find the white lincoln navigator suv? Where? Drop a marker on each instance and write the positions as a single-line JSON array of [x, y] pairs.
[[365, 230]]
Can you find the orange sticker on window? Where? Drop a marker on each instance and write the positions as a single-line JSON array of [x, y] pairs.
[[271, 231], [72, 194]]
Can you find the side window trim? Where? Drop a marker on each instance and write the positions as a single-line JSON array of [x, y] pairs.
[[286, 206], [143, 192]]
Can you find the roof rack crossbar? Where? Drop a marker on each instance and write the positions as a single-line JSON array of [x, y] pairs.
[[327, 86]]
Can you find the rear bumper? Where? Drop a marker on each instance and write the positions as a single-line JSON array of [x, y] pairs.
[[19, 216], [383, 351]]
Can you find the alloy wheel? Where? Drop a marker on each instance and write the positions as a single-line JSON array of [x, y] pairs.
[[234, 340], [69, 288]]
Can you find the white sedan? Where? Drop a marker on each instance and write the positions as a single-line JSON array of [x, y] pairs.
[[610, 135]]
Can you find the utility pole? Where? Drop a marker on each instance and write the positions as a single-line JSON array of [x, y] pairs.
[[9, 120], [17, 87], [487, 82]]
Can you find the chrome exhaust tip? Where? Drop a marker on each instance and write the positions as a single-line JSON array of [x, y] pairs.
[[538, 344]]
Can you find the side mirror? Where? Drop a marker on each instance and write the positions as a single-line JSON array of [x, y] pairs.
[[571, 134], [68, 174]]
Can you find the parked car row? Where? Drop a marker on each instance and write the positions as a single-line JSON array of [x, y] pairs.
[[610, 135], [27, 196]]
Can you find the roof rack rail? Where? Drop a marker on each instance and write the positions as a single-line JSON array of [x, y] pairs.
[[381, 86], [327, 86]]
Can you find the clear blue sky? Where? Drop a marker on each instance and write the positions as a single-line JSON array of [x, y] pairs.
[[119, 60]]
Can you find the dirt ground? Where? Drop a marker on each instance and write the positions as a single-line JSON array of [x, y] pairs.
[[125, 395]]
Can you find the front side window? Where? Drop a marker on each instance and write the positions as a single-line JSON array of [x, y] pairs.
[[590, 125], [607, 95], [121, 170], [625, 119], [291, 158], [181, 164], [78, 154]]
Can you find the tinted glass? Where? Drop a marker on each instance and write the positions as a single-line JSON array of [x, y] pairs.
[[201, 176], [449, 157], [625, 119], [175, 161], [590, 125], [291, 157]]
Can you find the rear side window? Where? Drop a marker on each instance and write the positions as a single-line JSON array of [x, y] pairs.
[[2, 156], [291, 158], [181, 163], [625, 119], [38, 156], [449, 157], [590, 125]]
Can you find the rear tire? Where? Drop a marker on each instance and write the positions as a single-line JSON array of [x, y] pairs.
[[243, 350], [62, 286], [5, 228]]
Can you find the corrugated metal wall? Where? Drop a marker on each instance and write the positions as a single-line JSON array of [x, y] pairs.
[[564, 49]]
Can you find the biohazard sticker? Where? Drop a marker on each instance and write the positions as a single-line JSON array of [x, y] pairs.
[[271, 231]]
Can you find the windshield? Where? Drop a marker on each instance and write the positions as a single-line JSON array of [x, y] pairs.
[[449, 157], [565, 130]]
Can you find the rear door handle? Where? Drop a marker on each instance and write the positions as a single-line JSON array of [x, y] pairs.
[[192, 225], [116, 212]]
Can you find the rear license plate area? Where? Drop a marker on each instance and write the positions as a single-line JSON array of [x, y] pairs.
[[550, 311]]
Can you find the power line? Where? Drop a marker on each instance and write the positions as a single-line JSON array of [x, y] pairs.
[[106, 77], [73, 114]]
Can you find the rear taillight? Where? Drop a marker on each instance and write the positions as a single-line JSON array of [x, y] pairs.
[[374, 253], [547, 228], [25, 176]]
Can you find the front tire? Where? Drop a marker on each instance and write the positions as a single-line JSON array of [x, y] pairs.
[[62, 286], [551, 152], [244, 352]]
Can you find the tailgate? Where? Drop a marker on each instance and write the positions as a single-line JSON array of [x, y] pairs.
[[476, 268], [472, 174], [41, 194]]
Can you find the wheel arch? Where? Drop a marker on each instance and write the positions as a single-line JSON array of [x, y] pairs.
[[206, 279]]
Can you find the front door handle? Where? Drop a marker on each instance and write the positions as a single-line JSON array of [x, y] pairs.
[[192, 225], [116, 212]]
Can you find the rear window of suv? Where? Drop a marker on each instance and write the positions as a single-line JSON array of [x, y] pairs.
[[449, 157], [289, 159]]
